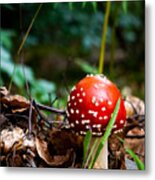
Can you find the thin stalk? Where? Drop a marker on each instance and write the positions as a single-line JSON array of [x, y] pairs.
[[113, 43], [104, 138], [91, 152], [23, 41], [29, 28], [103, 41]]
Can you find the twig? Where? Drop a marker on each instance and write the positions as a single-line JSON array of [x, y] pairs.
[[138, 136], [17, 115], [51, 109], [42, 117], [30, 120]]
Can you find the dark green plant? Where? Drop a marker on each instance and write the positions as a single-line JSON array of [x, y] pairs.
[[87, 139]]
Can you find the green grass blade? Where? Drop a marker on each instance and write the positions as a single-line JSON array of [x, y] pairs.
[[84, 4], [91, 152], [138, 162], [71, 6], [106, 134], [86, 144], [125, 6], [94, 4]]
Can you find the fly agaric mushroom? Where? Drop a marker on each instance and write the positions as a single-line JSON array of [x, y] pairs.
[[90, 106]]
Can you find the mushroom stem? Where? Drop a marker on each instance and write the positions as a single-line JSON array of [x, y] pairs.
[[102, 160]]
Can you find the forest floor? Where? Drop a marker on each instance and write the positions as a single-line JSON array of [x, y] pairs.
[[29, 138]]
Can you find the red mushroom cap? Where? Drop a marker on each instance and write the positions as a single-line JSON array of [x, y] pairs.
[[91, 103]]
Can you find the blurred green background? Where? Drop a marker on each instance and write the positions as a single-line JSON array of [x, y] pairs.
[[64, 45]]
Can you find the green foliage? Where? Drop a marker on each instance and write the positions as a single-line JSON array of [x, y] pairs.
[[20, 72], [74, 30], [106, 134], [42, 90], [94, 4], [6, 38], [86, 144], [125, 6], [87, 139], [86, 67], [138, 162]]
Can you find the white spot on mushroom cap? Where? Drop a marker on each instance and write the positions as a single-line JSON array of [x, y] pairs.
[[90, 111], [82, 115], [76, 122], [85, 121], [102, 85], [121, 121], [103, 108], [97, 126], [101, 100], [105, 117], [67, 126], [115, 126], [68, 98], [97, 133], [93, 99], [95, 114], [77, 111], [72, 111], [82, 132], [96, 104], [96, 86], [100, 118], [109, 102], [78, 94], [73, 97], [81, 89], [80, 100], [83, 94], [67, 113], [87, 127], [73, 88], [72, 125], [75, 103]]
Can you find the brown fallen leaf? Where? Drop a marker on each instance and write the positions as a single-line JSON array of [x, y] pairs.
[[55, 160], [14, 138], [3, 91], [116, 151], [15, 101], [62, 140], [134, 105]]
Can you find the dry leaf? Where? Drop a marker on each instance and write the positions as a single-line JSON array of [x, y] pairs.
[[15, 137], [134, 105], [56, 160], [15, 101], [3, 91]]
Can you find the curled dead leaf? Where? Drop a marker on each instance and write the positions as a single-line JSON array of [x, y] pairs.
[[3, 91], [52, 160], [134, 105], [15, 138], [15, 101]]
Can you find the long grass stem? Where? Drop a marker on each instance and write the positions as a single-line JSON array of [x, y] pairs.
[[28, 30], [103, 41]]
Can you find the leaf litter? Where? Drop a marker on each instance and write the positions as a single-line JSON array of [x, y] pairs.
[[50, 144]]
